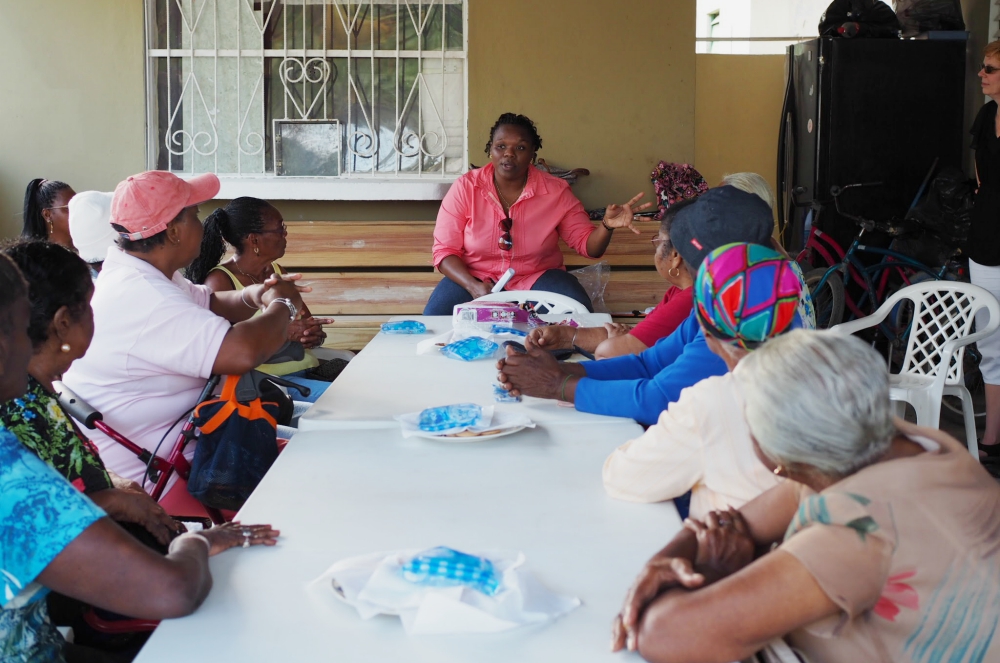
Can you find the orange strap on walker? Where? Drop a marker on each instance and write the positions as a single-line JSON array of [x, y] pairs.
[[253, 410]]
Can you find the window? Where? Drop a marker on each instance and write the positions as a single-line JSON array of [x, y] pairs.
[[755, 26], [337, 89]]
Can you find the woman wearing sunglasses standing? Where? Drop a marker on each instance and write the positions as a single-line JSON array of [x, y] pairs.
[[509, 214], [984, 236]]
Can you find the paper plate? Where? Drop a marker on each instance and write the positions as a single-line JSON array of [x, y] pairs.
[[468, 436]]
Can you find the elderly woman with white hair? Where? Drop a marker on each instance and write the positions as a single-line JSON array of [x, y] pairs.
[[887, 535]]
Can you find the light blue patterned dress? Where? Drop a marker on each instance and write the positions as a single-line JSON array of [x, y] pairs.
[[40, 514]]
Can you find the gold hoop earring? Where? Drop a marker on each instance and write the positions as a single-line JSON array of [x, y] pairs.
[[65, 347], [256, 251], [670, 272], [778, 470]]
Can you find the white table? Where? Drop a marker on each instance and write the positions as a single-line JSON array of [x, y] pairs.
[[389, 378], [536, 491]]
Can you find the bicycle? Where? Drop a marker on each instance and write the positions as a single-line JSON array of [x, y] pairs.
[[877, 282]]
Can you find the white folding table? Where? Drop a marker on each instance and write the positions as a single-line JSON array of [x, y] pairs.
[[538, 491], [389, 378]]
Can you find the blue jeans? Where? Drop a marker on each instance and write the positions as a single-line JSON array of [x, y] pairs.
[[447, 293]]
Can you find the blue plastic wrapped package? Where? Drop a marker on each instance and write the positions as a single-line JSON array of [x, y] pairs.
[[501, 395], [470, 349], [443, 567], [504, 329], [404, 327], [446, 417]]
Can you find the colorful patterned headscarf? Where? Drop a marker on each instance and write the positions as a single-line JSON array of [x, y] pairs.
[[746, 293]]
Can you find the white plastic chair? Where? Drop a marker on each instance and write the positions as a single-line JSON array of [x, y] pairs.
[[556, 304], [932, 368]]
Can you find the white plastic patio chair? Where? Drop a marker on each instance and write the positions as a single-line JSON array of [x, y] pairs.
[[555, 303], [932, 368]]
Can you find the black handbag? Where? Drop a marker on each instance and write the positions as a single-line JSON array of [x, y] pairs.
[[237, 443]]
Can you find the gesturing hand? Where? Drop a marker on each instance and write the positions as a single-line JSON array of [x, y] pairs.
[[620, 216], [308, 331], [724, 543], [659, 575]]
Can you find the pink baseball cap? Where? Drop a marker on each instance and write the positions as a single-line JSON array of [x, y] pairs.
[[145, 203]]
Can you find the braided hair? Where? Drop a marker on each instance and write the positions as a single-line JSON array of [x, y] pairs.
[[514, 119], [39, 196], [56, 277], [231, 225]]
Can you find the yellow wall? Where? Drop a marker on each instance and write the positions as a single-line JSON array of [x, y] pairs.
[[71, 96], [611, 89], [738, 106]]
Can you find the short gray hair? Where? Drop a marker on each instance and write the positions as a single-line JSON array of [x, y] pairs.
[[751, 183], [819, 399]]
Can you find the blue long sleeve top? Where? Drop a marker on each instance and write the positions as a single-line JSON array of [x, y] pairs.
[[642, 386]]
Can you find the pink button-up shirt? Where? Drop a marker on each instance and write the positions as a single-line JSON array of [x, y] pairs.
[[468, 226]]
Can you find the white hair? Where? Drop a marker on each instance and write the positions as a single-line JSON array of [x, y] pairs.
[[751, 183], [819, 399]]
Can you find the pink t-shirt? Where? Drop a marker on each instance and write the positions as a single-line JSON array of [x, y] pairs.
[[155, 342], [468, 226], [666, 317]]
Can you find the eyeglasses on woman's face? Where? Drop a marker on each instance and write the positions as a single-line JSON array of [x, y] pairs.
[[505, 242], [282, 229], [657, 241], [988, 69]]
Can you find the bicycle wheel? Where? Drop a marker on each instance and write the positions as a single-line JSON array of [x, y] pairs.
[[828, 301]]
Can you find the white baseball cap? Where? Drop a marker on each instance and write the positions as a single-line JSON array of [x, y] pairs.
[[90, 224]]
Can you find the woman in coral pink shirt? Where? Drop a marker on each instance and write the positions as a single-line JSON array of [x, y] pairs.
[[510, 214]]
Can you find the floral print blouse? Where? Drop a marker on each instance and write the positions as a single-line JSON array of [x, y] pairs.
[[37, 420]]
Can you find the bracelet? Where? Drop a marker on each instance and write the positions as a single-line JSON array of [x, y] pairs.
[[188, 536], [562, 389], [606, 226], [576, 330], [243, 292]]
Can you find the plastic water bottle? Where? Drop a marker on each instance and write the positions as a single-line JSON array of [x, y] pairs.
[[447, 567], [446, 417], [404, 327], [470, 349]]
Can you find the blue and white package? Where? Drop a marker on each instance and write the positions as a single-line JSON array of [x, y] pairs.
[[446, 417], [501, 395], [404, 327], [443, 566], [505, 329], [470, 349]]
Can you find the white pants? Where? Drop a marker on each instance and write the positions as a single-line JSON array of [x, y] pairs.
[[987, 278]]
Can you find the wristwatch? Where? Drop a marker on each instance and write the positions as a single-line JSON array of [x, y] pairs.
[[292, 311]]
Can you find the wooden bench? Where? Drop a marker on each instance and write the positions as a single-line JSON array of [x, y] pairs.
[[364, 272]]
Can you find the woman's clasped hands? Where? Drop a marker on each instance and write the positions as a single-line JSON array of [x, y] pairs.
[[724, 546]]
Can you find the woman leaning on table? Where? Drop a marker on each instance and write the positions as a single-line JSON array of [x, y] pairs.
[[509, 214], [888, 534], [984, 236], [52, 537]]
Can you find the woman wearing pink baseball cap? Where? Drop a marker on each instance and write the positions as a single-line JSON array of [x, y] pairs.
[[157, 336]]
